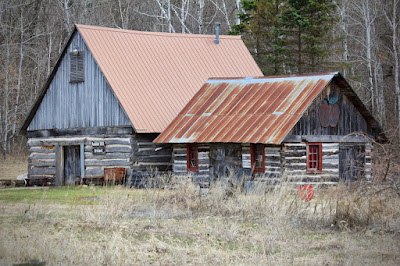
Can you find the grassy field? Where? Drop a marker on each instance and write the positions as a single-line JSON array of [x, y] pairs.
[[115, 225], [13, 167]]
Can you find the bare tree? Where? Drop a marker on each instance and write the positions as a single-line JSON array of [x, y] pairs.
[[391, 13]]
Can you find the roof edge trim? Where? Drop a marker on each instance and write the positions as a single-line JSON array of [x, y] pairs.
[[39, 98]]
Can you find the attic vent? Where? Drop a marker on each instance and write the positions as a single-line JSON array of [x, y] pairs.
[[77, 71]]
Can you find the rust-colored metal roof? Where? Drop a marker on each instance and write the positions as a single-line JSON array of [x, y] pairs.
[[155, 74], [246, 110]]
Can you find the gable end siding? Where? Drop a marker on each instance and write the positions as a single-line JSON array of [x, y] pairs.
[[350, 119], [87, 104]]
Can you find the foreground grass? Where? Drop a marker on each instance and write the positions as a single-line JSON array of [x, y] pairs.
[[63, 195], [86, 225]]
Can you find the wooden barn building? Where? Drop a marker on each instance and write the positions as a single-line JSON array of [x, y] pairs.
[[113, 91], [307, 128]]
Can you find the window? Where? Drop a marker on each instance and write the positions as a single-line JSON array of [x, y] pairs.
[[314, 157], [76, 67], [257, 158], [192, 160]]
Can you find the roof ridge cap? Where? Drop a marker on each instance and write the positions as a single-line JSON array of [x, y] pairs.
[[157, 33]]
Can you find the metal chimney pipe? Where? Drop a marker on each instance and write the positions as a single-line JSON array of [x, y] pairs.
[[217, 32]]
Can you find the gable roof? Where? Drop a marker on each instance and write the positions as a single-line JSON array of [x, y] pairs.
[[153, 75], [251, 110]]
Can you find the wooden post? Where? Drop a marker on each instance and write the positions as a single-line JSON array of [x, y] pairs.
[[57, 177], [82, 150]]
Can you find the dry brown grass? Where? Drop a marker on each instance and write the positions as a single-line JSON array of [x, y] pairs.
[[186, 226], [12, 167]]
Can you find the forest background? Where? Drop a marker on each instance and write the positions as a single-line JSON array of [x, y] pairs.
[[359, 38]]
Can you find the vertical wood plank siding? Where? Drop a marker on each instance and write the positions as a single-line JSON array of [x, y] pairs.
[[350, 120], [79, 105]]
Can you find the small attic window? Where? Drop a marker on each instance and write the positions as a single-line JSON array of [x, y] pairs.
[[77, 66]]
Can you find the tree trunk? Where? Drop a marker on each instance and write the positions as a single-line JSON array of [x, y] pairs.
[[368, 46], [67, 22], [21, 56], [343, 26], [169, 16], [200, 16], [5, 105], [238, 11]]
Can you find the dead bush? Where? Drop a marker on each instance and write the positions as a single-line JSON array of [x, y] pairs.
[[365, 206]]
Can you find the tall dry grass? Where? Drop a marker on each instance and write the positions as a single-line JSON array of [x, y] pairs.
[[364, 206], [221, 225]]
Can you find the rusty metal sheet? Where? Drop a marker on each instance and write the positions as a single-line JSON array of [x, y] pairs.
[[247, 110], [154, 75]]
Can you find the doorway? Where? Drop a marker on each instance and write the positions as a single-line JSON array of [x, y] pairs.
[[72, 165], [351, 161], [226, 160]]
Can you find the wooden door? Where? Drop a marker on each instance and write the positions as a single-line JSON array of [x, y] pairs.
[[351, 161], [72, 165], [225, 159]]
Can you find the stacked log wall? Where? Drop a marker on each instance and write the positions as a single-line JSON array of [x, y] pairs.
[[368, 161], [45, 150], [273, 162], [295, 164], [203, 176], [149, 158]]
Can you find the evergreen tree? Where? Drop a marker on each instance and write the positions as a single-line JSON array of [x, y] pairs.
[[306, 26], [258, 27], [288, 36]]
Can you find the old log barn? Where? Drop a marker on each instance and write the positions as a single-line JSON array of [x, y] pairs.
[[307, 128], [113, 91]]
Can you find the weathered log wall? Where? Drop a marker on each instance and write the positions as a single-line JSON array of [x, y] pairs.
[[295, 163], [45, 154], [273, 164], [123, 148], [368, 161], [203, 176], [149, 158]]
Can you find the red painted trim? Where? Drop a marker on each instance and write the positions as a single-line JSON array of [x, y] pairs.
[[319, 169], [253, 160], [196, 168]]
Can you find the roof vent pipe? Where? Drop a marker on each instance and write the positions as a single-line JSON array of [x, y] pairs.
[[217, 32]]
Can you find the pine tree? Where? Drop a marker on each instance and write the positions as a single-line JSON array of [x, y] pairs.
[[288, 36], [258, 27], [306, 26]]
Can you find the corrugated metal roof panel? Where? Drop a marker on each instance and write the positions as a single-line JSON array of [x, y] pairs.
[[155, 74], [248, 110]]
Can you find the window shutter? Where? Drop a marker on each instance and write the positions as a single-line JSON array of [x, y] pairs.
[[77, 71]]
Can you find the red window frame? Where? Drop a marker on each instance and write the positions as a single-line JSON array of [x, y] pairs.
[[314, 157], [253, 151], [192, 158]]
